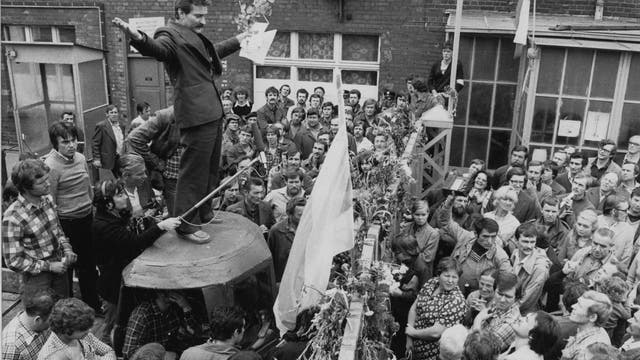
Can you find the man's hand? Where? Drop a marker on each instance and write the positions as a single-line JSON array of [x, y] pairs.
[[97, 164], [180, 301], [264, 228], [127, 28], [57, 267], [71, 257]]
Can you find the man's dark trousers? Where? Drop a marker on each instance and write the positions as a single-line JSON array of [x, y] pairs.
[[199, 170]]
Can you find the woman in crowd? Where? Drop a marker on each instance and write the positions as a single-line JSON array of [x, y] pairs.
[[479, 192], [116, 244], [272, 149], [427, 237], [536, 333], [439, 305], [144, 206], [580, 236], [242, 106], [504, 201]]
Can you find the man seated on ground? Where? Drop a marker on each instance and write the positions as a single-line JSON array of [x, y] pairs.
[[26, 333], [608, 185], [531, 265], [577, 163], [500, 316], [156, 320], [589, 314], [475, 251], [282, 234], [71, 322], [252, 206], [296, 121], [278, 198], [587, 262], [249, 144], [226, 326]]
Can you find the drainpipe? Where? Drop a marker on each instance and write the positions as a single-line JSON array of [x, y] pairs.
[[599, 9]]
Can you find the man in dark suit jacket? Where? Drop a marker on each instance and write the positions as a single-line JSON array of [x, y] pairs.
[[108, 141], [253, 207], [519, 155], [192, 62], [608, 185]]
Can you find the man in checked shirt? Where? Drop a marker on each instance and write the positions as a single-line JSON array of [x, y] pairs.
[[33, 243]]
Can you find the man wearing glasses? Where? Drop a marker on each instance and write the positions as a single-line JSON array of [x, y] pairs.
[[633, 151], [595, 261], [603, 163]]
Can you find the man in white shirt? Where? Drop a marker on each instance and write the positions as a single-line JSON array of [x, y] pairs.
[[362, 143], [144, 111]]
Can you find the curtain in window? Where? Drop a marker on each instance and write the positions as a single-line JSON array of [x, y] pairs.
[[354, 77], [273, 72], [359, 48], [281, 45], [321, 75], [316, 46]]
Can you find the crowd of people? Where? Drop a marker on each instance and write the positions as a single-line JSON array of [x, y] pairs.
[[535, 260]]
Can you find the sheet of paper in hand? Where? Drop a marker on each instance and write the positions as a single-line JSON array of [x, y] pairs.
[[255, 47]]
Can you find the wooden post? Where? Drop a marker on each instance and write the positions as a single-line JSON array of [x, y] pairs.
[[456, 44]]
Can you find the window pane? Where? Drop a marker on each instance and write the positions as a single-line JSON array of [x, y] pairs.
[[33, 124], [455, 156], [544, 119], [320, 75], [485, 58], [600, 107], [15, 33], [281, 45], [605, 74], [630, 125], [461, 109], [578, 71], [480, 106], [464, 54], [273, 72], [28, 84], [41, 33], [359, 47], [633, 87], [60, 82], [503, 112], [92, 84], [354, 77], [571, 109], [476, 145], [550, 71], [508, 67], [67, 34], [316, 46], [499, 148]]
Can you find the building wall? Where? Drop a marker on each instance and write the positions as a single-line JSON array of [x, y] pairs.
[[411, 31]]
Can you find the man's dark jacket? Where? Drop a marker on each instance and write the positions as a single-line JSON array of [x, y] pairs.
[[105, 145], [145, 139], [192, 62]]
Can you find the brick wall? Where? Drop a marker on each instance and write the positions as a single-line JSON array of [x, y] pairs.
[[411, 31]]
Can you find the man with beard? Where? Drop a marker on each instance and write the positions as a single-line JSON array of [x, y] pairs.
[[519, 155], [475, 251], [301, 101], [252, 206], [298, 115], [282, 234], [278, 198], [116, 244], [271, 112], [362, 143]]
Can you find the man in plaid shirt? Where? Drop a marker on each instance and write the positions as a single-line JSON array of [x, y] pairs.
[[25, 334], [33, 243]]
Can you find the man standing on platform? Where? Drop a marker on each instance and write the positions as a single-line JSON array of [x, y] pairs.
[[192, 63]]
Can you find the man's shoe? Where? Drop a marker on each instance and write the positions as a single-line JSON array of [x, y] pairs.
[[198, 237]]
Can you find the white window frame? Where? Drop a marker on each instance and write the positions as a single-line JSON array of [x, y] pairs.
[[336, 64], [28, 36]]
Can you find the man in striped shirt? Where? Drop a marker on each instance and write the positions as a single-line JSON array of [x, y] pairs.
[[33, 243]]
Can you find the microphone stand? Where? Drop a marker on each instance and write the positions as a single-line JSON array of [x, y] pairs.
[[261, 158]]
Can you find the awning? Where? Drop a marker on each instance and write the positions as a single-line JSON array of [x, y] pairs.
[[590, 44], [485, 22]]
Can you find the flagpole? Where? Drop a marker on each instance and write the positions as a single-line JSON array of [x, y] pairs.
[[456, 44]]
